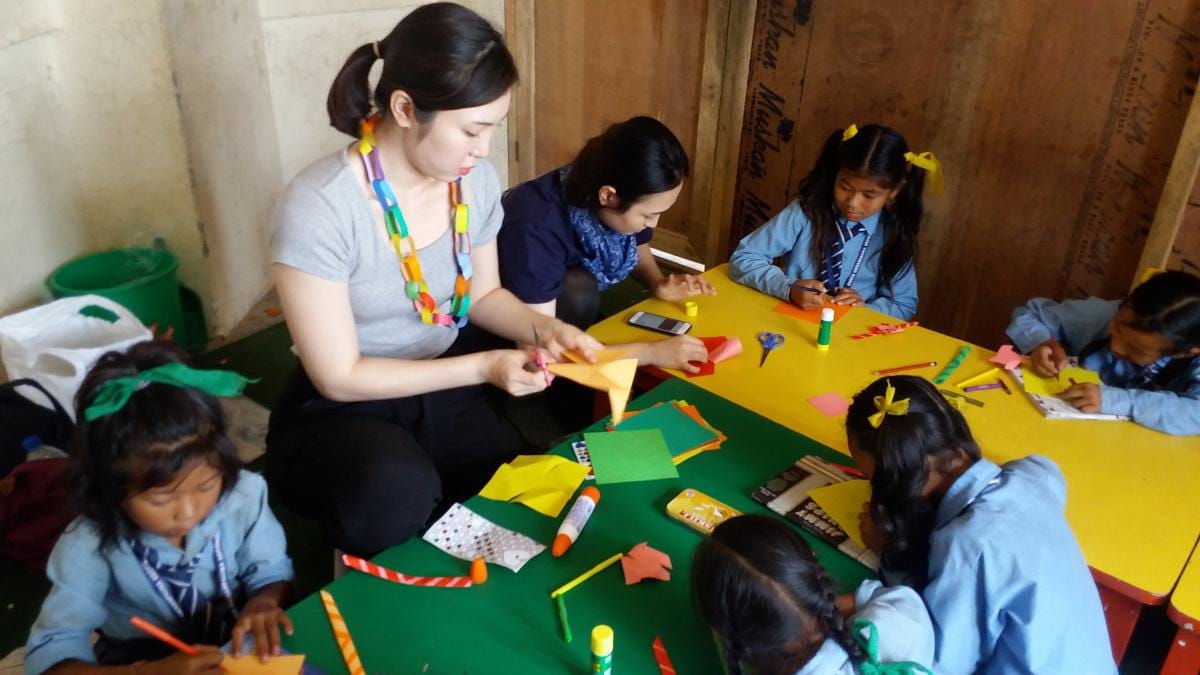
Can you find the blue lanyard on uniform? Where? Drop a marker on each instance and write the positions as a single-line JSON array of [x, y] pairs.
[[160, 586], [862, 253]]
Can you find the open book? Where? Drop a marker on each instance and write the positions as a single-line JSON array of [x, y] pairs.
[[1055, 408], [787, 495]]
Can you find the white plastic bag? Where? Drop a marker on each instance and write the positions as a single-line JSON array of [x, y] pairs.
[[56, 345]]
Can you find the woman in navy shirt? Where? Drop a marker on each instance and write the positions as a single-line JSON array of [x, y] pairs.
[[586, 226]]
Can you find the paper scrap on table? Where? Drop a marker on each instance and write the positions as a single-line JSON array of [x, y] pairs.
[[720, 348], [1051, 386], [1006, 357], [466, 535], [811, 315], [679, 430], [612, 376], [544, 483], [249, 664], [843, 502], [832, 404], [629, 456], [881, 329], [644, 562]]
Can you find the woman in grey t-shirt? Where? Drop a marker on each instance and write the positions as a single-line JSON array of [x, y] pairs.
[[373, 248]]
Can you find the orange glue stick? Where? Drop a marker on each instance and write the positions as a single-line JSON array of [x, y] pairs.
[[576, 518]]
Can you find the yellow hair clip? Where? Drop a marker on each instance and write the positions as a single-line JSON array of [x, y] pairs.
[[932, 167], [850, 132], [887, 406]]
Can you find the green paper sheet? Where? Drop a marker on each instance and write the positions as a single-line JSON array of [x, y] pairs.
[[682, 433], [629, 456]]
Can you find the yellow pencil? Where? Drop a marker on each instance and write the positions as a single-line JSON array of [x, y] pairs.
[[585, 576], [974, 378]]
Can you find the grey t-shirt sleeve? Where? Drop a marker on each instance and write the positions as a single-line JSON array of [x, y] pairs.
[[486, 211], [310, 235]]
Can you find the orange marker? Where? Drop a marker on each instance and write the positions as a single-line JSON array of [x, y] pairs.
[[576, 518], [478, 571]]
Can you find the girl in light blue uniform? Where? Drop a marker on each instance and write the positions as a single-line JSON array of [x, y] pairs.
[[759, 586], [851, 233], [1146, 349], [988, 546]]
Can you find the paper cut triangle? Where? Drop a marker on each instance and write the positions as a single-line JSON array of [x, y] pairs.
[[843, 502], [643, 562], [613, 377]]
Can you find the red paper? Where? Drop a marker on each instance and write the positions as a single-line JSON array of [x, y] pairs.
[[719, 349], [643, 562], [811, 315]]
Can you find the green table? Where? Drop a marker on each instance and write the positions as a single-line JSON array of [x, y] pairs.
[[509, 624]]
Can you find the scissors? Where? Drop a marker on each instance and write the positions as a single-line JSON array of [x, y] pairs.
[[769, 341], [539, 359]]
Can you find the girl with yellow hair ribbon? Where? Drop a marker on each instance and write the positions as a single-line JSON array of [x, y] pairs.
[[850, 236]]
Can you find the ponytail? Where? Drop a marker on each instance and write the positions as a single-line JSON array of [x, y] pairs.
[[349, 101]]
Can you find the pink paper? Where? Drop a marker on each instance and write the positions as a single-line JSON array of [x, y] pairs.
[[1007, 356], [728, 349], [832, 404], [643, 562]]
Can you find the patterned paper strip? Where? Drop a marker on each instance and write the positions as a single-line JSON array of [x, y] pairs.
[[342, 634], [398, 578], [661, 658]]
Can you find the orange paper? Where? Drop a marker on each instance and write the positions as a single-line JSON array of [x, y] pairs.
[[811, 315], [251, 665], [613, 377]]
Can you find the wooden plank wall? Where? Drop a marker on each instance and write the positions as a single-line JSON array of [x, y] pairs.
[[1056, 122], [597, 63]]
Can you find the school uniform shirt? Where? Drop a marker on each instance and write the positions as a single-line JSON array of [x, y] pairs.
[[537, 244], [1175, 409], [96, 589], [901, 620], [1009, 591], [789, 235]]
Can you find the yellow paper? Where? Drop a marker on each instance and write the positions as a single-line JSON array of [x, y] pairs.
[[1049, 386], [843, 502], [613, 377], [289, 664], [544, 483]]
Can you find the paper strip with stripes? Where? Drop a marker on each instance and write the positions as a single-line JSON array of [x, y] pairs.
[[342, 634], [398, 578], [661, 658]]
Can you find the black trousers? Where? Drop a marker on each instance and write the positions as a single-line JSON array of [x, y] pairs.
[[375, 472]]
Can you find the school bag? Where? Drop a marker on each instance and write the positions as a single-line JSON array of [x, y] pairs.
[[34, 502]]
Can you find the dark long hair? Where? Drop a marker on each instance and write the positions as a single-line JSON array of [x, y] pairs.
[[875, 152], [443, 55], [1168, 304], [900, 447], [759, 585], [637, 157], [161, 431]]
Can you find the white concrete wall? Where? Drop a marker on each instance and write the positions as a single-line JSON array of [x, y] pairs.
[[180, 119]]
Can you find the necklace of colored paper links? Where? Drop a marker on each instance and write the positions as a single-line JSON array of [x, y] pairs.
[[415, 287]]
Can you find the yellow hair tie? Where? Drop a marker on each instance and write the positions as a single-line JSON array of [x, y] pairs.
[[932, 167], [850, 132], [887, 406]]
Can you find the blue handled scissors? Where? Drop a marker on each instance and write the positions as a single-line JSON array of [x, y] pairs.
[[769, 342]]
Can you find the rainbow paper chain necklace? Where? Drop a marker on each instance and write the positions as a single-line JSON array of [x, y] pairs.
[[410, 266]]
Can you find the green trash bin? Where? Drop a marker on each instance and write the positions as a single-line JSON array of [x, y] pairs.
[[143, 280]]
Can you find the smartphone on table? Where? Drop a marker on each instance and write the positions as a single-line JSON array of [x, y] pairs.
[[659, 324]]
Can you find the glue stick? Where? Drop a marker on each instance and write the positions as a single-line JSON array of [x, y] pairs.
[[826, 331], [602, 649], [576, 518]]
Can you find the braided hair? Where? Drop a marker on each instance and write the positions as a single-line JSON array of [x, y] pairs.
[[759, 586]]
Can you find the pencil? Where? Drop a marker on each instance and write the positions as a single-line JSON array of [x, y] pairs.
[[808, 289], [585, 576], [900, 369], [164, 636]]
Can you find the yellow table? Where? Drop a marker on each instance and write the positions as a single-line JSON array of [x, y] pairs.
[[1132, 493], [1184, 657]]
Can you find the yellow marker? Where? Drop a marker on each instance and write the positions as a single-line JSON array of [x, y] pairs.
[[976, 378], [585, 576]]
